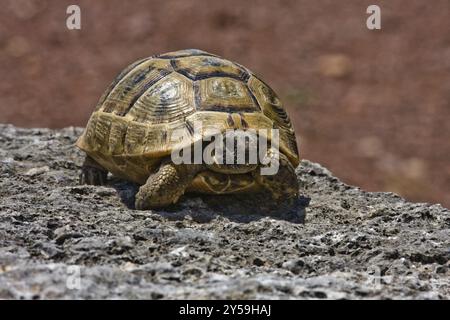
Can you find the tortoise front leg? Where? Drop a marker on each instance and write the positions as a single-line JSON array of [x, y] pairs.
[[92, 172], [166, 185], [283, 185]]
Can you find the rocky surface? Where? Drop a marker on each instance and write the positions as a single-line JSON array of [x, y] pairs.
[[62, 240]]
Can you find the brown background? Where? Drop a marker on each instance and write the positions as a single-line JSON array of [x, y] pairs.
[[373, 106]]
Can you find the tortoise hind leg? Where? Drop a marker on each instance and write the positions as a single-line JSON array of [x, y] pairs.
[[92, 173], [166, 185], [283, 185]]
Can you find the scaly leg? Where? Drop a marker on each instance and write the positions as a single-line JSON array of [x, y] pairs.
[[283, 185], [166, 185], [92, 172]]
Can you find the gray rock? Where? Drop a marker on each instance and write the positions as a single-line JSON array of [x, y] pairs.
[[61, 240]]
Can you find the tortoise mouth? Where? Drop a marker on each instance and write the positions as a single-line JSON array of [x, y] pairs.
[[232, 168], [238, 153]]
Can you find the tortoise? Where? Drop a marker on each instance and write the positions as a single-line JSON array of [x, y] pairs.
[[128, 133]]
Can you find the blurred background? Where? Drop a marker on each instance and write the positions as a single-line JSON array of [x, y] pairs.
[[372, 106]]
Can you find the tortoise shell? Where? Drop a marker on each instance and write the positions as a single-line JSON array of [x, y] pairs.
[[130, 128]]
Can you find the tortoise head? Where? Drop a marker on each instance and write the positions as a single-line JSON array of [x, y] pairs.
[[232, 152]]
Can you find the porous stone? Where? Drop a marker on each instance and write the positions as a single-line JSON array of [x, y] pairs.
[[62, 240]]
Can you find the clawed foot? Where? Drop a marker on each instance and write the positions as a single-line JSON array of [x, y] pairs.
[[164, 187], [93, 176]]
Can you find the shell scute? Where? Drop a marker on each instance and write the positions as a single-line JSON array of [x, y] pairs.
[[201, 67], [168, 100]]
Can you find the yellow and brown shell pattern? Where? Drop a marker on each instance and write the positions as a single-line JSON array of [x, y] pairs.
[[129, 130]]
